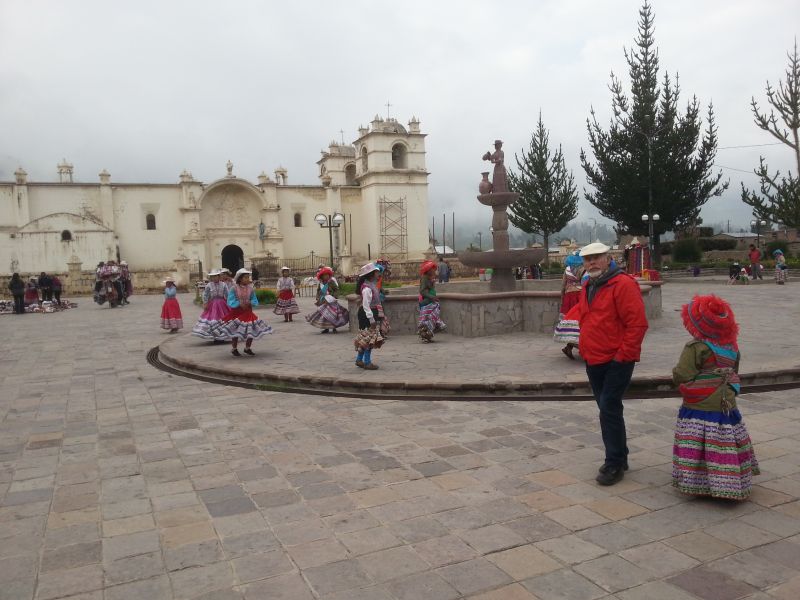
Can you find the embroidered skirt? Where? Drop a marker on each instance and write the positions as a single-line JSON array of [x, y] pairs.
[[370, 337], [712, 454], [567, 331], [430, 320], [780, 275], [241, 324], [329, 315], [286, 304], [171, 317], [213, 314]]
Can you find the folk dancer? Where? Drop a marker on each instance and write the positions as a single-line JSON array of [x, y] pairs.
[[567, 330], [215, 307], [370, 314], [329, 314], [430, 320], [171, 317], [780, 266], [286, 304], [241, 323], [712, 454]]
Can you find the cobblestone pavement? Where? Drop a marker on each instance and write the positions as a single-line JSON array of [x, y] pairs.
[[120, 482]]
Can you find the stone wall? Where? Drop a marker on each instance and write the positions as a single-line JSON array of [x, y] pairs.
[[482, 314]]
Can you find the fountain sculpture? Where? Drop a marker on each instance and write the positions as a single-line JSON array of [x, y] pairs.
[[501, 259]]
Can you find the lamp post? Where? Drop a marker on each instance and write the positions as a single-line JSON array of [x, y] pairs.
[[650, 219], [649, 139], [594, 229], [480, 245], [758, 224], [329, 222]]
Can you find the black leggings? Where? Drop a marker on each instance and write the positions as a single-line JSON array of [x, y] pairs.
[[19, 304]]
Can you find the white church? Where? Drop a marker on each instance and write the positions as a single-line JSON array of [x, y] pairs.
[[376, 189]]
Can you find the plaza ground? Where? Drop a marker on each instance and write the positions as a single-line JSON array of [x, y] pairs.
[[120, 481]]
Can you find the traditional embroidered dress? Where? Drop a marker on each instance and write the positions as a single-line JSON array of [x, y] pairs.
[[370, 308], [712, 453], [31, 293], [430, 320], [329, 314], [567, 329], [286, 304], [215, 299], [171, 317], [241, 322]]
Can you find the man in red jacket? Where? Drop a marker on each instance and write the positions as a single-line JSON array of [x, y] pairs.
[[755, 262], [613, 324]]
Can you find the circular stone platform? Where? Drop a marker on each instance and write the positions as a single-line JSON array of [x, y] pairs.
[[298, 358]]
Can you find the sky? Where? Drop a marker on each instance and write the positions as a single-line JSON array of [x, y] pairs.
[[148, 88]]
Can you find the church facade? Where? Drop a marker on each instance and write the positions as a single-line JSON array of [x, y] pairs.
[[379, 184]]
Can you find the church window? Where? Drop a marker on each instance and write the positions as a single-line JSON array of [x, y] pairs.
[[298, 220], [350, 174], [399, 156], [364, 161], [66, 235], [150, 219]]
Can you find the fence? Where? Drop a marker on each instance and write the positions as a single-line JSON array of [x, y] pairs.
[[306, 266]]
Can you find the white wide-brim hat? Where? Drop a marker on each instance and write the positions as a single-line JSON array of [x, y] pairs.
[[224, 270], [214, 272], [367, 269], [241, 272], [168, 280], [594, 248], [285, 269]]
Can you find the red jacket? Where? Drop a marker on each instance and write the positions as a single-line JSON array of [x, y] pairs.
[[755, 255], [614, 324]]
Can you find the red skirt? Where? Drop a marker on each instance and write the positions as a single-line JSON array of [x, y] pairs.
[[570, 299], [171, 317]]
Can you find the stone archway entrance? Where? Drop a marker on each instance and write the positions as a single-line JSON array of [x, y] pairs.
[[232, 258]]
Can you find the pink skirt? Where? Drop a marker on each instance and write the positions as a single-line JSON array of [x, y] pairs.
[[216, 310]]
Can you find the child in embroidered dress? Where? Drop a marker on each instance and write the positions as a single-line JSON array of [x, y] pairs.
[[215, 307], [329, 314], [241, 323], [370, 314], [712, 454], [171, 317], [286, 305], [430, 320]]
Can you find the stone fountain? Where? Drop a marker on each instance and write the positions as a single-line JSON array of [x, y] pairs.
[[501, 259]]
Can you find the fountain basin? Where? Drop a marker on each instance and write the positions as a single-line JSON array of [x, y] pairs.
[[498, 198], [502, 258]]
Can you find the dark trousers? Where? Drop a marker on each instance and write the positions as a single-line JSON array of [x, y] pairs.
[[47, 294], [609, 382], [57, 294], [19, 304]]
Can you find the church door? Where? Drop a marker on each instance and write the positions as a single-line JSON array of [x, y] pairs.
[[232, 258]]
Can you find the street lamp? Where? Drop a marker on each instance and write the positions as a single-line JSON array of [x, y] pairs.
[[649, 138], [758, 224], [329, 222], [480, 246], [650, 220]]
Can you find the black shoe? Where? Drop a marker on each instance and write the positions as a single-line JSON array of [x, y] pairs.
[[612, 474], [250, 352], [325, 331], [606, 466], [235, 352]]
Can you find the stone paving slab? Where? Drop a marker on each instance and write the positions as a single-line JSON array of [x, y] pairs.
[[119, 481], [298, 356]]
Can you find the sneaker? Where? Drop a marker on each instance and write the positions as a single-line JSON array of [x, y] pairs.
[[250, 352], [235, 352], [612, 474], [371, 366], [360, 363]]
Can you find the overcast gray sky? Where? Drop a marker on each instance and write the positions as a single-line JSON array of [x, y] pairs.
[[147, 88]]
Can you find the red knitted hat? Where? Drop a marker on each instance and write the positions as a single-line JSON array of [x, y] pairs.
[[426, 266], [710, 318], [324, 271]]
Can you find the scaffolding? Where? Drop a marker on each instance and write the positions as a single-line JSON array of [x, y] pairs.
[[394, 228]]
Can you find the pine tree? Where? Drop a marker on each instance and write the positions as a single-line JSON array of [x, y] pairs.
[[652, 159], [548, 198], [781, 195]]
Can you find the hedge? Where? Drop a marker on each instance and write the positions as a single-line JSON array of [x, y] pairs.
[[774, 245], [686, 250], [706, 245], [266, 296]]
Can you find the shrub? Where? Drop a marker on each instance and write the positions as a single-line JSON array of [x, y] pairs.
[[774, 245], [266, 296], [707, 244], [686, 250], [666, 248]]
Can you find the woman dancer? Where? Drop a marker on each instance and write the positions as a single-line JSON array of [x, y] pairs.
[[430, 320], [329, 314], [171, 317], [241, 323], [570, 296], [370, 315], [286, 305], [712, 454], [215, 307]]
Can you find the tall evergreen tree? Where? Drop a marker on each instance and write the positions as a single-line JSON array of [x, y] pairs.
[[548, 198], [650, 149], [781, 195]]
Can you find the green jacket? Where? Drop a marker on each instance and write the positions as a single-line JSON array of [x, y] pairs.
[[694, 356]]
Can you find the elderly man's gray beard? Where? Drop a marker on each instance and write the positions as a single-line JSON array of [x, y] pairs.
[[595, 273]]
